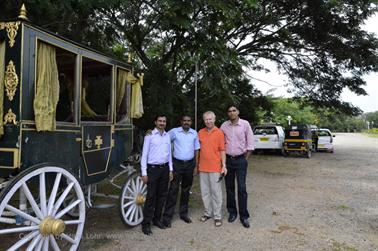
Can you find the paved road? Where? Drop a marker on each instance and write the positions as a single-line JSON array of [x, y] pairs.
[[328, 202]]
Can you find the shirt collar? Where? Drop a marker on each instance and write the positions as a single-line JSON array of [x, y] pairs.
[[237, 123], [180, 129], [156, 131]]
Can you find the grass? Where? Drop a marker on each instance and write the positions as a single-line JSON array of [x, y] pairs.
[[344, 207], [337, 246], [372, 132]]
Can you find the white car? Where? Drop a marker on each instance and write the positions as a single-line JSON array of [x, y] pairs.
[[269, 137], [325, 141]]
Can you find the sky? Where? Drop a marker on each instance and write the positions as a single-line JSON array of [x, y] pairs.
[[275, 82]]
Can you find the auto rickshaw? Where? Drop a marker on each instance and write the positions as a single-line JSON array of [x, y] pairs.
[[298, 140]]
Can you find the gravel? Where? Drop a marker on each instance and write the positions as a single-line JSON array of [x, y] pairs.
[[327, 203]]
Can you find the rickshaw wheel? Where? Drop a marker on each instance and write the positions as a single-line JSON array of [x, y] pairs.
[[40, 222], [131, 200], [308, 154]]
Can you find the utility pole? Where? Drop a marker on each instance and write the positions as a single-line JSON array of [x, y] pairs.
[[195, 93]]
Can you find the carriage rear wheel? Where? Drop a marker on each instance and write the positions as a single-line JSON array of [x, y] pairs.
[[132, 199], [31, 212]]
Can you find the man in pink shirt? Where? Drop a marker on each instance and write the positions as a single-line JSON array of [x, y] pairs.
[[239, 145]]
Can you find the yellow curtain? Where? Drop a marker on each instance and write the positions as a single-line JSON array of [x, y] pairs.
[[136, 98], [121, 86], [2, 73], [86, 110], [47, 88]]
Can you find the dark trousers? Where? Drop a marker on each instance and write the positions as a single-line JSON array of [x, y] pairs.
[[237, 168], [157, 189], [182, 173]]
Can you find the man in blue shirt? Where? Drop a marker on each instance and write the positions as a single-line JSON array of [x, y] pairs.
[[185, 163], [156, 167]]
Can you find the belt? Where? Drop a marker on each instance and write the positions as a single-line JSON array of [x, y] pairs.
[[157, 165], [183, 161], [235, 156]]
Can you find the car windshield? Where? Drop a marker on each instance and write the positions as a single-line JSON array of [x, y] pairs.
[[265, 130], [323, 133]]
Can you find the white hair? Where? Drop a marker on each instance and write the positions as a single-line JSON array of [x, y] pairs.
[[209, 113]]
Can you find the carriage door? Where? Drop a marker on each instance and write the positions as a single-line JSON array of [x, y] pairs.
[[96, 118]]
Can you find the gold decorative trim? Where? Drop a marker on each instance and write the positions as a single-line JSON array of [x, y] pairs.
[[98, 142], [10, 118], [23, 13], [11, 28], [11, 80], [16, 161]]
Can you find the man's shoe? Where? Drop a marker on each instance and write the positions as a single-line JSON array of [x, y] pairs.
[[167, 224], [186, 219], [231, 218], [146, 230], [245, 223], [159, 224]]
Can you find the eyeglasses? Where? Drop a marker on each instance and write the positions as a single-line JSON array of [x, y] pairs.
[[220, 177], [231, 110]]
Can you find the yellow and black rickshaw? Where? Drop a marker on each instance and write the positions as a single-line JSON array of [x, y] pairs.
[[298, 139]]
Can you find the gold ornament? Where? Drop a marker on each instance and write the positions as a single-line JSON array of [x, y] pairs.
[[11, 28], [98, 142], [11, 80], [10, 118]]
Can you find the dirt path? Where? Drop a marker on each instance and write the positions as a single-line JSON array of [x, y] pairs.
[[328, 202]]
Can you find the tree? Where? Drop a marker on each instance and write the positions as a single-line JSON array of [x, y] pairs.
[[318, 44], [372, 117]]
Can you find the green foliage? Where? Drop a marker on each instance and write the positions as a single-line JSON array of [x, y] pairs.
[[372, 117], [318, 44], [283, 107]]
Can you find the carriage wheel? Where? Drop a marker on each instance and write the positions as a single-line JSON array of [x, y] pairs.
[[132, 199], [71, 197], [41, 222]]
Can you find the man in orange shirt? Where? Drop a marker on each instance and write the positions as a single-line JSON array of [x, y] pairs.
[[212, 165]]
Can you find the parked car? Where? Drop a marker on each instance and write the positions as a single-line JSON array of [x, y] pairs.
[[269, 137], [325, 141]]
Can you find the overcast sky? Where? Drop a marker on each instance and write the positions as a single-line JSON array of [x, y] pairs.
[[276, 82]]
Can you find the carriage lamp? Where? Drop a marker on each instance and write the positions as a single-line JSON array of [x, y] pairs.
[[52, 226]]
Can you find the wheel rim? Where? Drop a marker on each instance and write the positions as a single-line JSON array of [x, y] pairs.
[[43, 223], [133, 197]]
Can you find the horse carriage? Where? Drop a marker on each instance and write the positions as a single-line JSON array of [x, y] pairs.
[[66, 125]]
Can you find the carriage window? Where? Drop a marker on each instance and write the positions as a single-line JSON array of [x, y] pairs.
[[66, 62], [96, 91], [123, 90]]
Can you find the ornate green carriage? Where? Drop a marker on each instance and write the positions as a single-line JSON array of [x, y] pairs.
[[66, 124]]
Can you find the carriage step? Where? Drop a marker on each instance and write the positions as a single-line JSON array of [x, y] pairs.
[[103, 206]]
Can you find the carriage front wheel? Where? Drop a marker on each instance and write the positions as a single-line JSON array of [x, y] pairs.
[[132, 199], [31, 213]]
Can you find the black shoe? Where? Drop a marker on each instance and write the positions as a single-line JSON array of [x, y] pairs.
[[231, 218], [167, 224], [186, 219], [159, 224], [245, 223], [146, 230]]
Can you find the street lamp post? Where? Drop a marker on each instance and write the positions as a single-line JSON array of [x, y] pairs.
[[289, 118], [195, 94]]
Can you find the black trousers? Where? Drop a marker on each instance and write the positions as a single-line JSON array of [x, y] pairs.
[[182, 174], [237, 168], [157, 190]]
